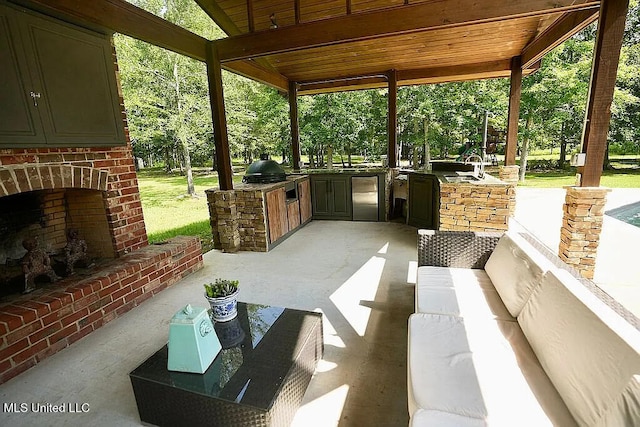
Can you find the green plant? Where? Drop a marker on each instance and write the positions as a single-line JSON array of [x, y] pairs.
[[221, 288]]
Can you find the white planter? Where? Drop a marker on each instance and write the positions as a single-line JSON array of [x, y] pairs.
[[225, 308]]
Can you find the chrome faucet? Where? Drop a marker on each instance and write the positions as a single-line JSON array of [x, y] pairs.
[[479, 173]]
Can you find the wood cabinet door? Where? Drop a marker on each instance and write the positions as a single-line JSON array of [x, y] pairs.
[[17, 124], [341, 197], [421, 202], [304, 197], [331, 196], [321, 194], [277, 214], [73, 71], [293, 215]]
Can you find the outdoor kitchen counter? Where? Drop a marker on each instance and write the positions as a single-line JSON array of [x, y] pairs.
[[459, 201], [459, 177], [256, 216], [293, 178], [346, 171]]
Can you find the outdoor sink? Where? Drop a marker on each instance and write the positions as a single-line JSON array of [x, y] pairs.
[[461, 178]]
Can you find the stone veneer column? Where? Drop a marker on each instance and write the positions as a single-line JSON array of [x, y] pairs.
[[581, 227], [223, 215], [509, 174]]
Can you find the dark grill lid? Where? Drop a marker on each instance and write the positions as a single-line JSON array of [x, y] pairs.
[[264, 170]]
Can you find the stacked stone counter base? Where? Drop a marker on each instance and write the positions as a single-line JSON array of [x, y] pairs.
[[257, 216], [581, 227], [39, 324], [468, 207], [237, 220]]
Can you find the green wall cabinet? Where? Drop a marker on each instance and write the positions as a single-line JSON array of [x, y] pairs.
[[60, 85]]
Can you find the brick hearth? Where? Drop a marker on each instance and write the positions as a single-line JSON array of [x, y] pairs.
[[37, 325]]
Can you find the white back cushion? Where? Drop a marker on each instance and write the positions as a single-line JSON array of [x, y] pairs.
[[515, 268], [464, 292], [589, 352], [626, 409]]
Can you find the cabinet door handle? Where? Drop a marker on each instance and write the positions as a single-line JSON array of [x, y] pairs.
[[35, 97]]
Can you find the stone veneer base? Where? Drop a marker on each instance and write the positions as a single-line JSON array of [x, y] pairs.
[[581, 227], [39, 324], [509, 174], [469, 207]]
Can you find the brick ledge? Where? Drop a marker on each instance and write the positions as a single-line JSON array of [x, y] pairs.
[[37, 325]]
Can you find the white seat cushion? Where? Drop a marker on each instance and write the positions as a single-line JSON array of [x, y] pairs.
[[458, 292], [424, 417], [515, 268], [590, 353], [482, 369]]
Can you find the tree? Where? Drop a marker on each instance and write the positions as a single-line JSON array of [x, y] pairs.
[[166, 93], [169, 115]]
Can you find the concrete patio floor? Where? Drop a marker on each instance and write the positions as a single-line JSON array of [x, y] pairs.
[[359, 275]]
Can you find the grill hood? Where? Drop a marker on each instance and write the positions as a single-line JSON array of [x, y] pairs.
[[264, 170]]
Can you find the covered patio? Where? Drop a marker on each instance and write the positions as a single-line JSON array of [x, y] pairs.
[[365, 289], [314, 47]]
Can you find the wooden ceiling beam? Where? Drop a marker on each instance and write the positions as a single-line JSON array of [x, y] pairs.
[[485, 70], [385, 22], [342, 85], [125, 18], [215, 12], [250, 20], [255, 71], [561, 30], [457, 71]]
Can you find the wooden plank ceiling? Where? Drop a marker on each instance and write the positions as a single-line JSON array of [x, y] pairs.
[[333, 45], [351, 44]]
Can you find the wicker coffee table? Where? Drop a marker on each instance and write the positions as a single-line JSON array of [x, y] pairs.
[[258, 379]]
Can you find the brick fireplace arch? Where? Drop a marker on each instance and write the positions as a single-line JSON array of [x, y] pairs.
[[23, 178]]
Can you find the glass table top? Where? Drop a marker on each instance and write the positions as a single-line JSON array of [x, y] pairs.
[[259, 347]]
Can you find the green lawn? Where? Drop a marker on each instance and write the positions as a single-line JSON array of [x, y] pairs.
[[619, 178], [168, 211]]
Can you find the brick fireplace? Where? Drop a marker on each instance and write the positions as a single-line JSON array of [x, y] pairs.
[[44, 192], [47, 191]]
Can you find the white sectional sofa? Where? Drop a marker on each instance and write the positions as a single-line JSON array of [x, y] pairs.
[[503, 336]]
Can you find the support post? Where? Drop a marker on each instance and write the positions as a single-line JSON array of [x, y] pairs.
[[606, 55], [216, 97], [295, 128], [514, 111], [392, 151]]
